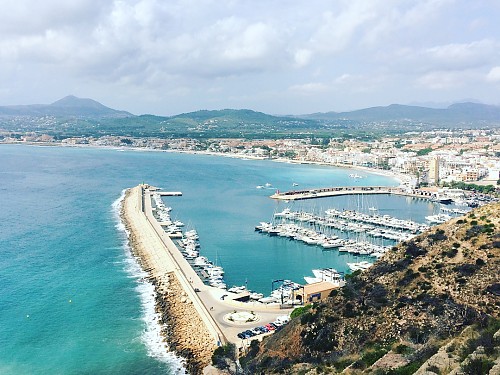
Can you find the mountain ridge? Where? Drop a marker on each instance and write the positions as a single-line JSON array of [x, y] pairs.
[[72, 116], [462, 111], [457, 112]]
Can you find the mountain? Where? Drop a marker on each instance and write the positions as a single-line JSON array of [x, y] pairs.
[[72, 116], [435, 295], [70, 106], [459, 113]]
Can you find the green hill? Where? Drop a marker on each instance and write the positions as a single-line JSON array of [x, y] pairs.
[[441, 288]]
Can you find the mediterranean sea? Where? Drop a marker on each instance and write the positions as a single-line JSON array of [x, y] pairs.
[[72, 299]]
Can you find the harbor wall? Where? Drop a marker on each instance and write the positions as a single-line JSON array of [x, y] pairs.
[[350, 190], [188, 327]]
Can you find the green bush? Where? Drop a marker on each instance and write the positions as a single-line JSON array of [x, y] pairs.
[[403, 349], [222, 353], [477, 366], [372, 356], [300, 311]]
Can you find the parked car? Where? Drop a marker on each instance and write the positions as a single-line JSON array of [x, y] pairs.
[[249, 333], [270, 327], [257, 331]]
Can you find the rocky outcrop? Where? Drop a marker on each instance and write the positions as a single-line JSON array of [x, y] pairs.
[[413, 300]]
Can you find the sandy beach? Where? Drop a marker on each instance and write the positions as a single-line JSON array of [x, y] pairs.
[[183, 328]]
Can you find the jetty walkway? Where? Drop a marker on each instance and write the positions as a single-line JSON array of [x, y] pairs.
[[212, 304], [351, 190]]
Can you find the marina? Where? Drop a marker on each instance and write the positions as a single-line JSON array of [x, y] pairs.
[[347, 231], [284, 293], [220, 315]]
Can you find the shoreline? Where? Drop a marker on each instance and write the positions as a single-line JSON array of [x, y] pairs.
[[181, 326], [400, 177]]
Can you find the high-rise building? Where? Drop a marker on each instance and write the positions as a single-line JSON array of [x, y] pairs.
[[434, 170]]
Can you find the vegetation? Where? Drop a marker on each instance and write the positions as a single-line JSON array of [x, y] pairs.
[[414, 300], [223, 356], [484, 189], [300, 311], [424, 151]]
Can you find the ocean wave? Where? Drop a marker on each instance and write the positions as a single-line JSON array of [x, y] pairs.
[[151, 336]]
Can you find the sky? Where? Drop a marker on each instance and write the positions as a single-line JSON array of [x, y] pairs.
[[167, 57]]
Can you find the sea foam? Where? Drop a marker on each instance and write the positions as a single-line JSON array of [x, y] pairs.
[[151, 336]]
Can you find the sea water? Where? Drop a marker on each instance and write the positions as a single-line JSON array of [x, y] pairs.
[[72, 299]]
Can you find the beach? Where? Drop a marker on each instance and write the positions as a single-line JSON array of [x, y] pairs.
[[182, 326]]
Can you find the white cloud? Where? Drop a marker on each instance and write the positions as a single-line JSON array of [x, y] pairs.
[[441, 80], [462, 55], [302, 57], [494, 74], [252, 51], [309, 88]]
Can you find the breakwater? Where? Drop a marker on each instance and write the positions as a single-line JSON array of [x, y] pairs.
[[186, 325], [350, 190]]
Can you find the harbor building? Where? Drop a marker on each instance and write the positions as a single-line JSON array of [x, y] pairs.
[[315, 292]]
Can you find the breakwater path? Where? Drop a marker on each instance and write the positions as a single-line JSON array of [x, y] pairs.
[[195, 314], [350, 190], [190, 330]]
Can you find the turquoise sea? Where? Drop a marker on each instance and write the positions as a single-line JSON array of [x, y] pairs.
[[71, 299]]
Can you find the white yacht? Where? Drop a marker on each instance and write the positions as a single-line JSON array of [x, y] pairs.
[[326, 274], [438, 219], [363, 265]]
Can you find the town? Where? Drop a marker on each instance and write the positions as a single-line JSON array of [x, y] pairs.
[[451, 158]]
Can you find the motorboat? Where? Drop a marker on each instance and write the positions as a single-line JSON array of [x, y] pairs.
[[363, 265]]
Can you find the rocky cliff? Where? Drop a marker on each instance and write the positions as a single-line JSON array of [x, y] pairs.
[[417, 298]]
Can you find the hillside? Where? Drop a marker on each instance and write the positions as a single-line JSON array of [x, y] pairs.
[[411, 302]]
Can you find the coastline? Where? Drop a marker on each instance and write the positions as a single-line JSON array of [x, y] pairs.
[[401, 178], [181, 325]]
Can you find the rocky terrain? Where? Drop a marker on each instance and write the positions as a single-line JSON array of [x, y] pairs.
[[434, 297]]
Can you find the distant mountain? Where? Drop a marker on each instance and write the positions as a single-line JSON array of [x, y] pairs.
[[72, 116], [459, 113], [70, 106]]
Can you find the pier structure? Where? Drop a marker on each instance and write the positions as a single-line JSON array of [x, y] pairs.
[[212, 304], [351, 190], [184, 273]]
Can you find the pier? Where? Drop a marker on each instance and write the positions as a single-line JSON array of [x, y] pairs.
[[164, 259], [351, 190]]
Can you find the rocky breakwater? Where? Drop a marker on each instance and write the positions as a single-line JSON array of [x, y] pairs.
[[182, 327]]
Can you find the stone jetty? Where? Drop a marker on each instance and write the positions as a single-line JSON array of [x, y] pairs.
[[184, 328]]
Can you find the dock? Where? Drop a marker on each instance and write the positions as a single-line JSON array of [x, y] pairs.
[[351, 190], [158, 191], [169, 193], [212, 304]]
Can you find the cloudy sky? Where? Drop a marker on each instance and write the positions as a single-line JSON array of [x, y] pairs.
[[277, 56]]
